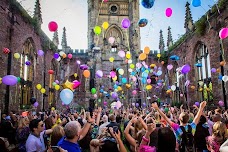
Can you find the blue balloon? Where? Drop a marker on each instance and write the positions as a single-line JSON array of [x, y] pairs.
[[143, 22], [66, 95], [147, 3], [144, 74], [196, 3], [143, 69], [220, 77], [101, 90], [159, 73], [198, 65], [144, 80], [115, 86], [124, 80]]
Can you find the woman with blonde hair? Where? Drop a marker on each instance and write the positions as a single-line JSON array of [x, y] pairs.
[[219, 136], [22, 132], [57, 134]]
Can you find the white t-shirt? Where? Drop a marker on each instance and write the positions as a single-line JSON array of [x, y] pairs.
[[35, 144]]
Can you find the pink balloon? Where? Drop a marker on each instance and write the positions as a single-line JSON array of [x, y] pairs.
[[221, 103], [134, 78], [111, 40], [169, 67], [168, 12], [95, 95], [70, 56], [76, 84], [181, 95], [138, 65], [223, 33], [118, 104], [112, 74], [148, 81], [53, 26], [121, 54], [134, 92], [105, 103], [105, 0]]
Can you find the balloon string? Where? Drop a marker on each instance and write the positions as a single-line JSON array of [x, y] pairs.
[[222, 51]]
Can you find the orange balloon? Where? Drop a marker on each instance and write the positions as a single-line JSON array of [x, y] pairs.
[[162, 62], [146, 50], [64, 55], [218, 70], [193, 87], [142, 56], [86, 73], [222, 63]]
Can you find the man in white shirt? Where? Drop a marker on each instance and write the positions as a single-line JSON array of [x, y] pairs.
[[102, 127]]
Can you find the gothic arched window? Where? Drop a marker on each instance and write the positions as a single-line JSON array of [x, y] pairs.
[[27, 71], [203, 73]]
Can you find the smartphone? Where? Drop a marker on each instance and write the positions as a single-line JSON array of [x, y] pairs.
[[55, 148], [158, 125], [115, 129]]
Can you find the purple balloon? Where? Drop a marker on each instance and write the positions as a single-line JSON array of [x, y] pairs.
[[221, 103], [213, 70], [9, 80], [197, 104], [144, 104], [99, 74], [56, 55], [185, 69], [57, 81], [40, 52], [126, 23], [36, 104], [84, 67], [28, 63], [137, 104], [114, 95]]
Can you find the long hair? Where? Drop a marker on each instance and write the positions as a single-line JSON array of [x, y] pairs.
[[57, 134], [166, 140], [220, 131]]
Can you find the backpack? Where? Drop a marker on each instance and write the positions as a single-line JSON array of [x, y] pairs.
[[187, 140]]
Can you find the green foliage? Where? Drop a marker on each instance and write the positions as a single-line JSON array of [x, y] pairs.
[[178, 42], [25, 106], [201, 25], [164, 56]]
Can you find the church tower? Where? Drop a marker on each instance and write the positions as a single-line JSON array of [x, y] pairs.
[[37, 13], [188, 25], [99, 46]]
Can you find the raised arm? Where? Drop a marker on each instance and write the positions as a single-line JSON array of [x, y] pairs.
[[199, 113], [127, 134]]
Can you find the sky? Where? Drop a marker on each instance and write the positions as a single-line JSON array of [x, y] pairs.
[[72, 14]]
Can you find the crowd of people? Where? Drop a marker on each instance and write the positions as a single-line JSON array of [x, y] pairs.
[[152, 129]]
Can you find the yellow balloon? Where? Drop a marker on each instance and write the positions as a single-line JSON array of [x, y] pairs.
[[201, 89], [121, 71], [148, 87], [132, 66], [153, 65], [57, 87], [68, 85], [128, 86], [75, 75], [111, 59], [16, 55], [52, 108], [1, 82], [119, 88], [115, 78], [43, 90], [128, 55], [38, 86], [105, 25], [0, 79], [158, 55]]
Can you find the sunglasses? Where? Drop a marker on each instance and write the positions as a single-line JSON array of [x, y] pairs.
[[42, 125]]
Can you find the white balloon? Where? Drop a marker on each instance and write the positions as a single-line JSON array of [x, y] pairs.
[[130, 70], [129, 61], [225, 78], [173, 87]]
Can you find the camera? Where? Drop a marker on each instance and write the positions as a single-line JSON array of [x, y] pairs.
[[115, 129], [55, 148]]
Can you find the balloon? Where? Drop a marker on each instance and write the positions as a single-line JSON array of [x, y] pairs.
[[148, 87], [137, 104], [68, 85], [166, 109], [36, 104], [158, 55], [64, 55], [111, 59], [225, 78], [105, 25], [126, 23], [97, 30], [121, 71], [138, 65], [114, 78], [50, 71], [173, 87], [152, 65], [32, 100], [168, 12], [121, 54], [181, 95], [57, 87], [95, 96], [112, 74], [169, 67], [196, 3], [143, 22], [16, 55], [52, 108], [83, 67], [9, 80], [132, 66], [28, 63], [162, 62], [124, 80], [118, 104], [57, 81], [222, 63], [40, 52], [159, 73], [128, 55], [93, 91], [99, 74], [127, 86], [142, 56], [70, 56], [134, 92], [114, 95], [53, 26], [197, 104], [193, 87], [54, 84], [213, 70], [185, 69], [174, 57], [38, 86], [6, 50], [147, 3], [146, 50], [66, 95], [86, 73], [43, 90], [223, 33], [221, 103], [76, 84], [148, 81], [111, 40]]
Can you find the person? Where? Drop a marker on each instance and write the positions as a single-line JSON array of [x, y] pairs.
[[224, 147], [105, 123], [73, 133]]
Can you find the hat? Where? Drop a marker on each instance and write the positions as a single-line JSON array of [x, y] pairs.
[[8, 118]]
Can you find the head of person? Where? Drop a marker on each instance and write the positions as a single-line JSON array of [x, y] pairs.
[[57, 134], [218, 111], [216, 118], [184, 117], [219, 130], [112, 118], [72, 130], [105, 118], [202, 120], [36, 126], [48, 123], [166, 140], [23, 122]]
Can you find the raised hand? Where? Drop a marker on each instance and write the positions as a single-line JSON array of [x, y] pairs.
[[155, 105], [203, 104]]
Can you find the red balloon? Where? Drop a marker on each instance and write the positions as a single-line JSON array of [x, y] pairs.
[[50, 71], [6, 50], [53, 26]]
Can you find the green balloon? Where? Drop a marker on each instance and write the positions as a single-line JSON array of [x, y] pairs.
[[18, 79], [159, 100], [99, 100], [93, 91], [97, 30], [166, 109]]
